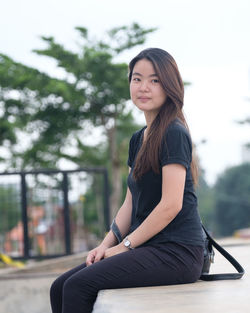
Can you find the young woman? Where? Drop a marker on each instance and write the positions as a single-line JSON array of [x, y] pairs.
[[158, 223]]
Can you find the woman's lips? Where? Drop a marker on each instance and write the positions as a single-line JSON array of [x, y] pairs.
[[144, 99]]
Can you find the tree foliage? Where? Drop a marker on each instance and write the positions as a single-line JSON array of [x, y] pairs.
[[10, 208], [206, 203], [58, 114], [232, 199]]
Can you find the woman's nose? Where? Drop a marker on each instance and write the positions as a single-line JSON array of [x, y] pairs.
[[144, 85]]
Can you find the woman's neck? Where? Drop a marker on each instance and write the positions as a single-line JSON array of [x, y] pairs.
[[149, 117]]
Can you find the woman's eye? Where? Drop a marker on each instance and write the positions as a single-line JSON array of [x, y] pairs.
[[155, 81], [136, 79]]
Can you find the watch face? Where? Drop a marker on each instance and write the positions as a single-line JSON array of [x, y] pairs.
[[127, 243]]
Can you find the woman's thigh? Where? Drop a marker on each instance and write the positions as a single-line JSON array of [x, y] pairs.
[[144, 266]]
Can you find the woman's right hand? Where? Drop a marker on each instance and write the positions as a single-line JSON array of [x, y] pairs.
[[96, 254]]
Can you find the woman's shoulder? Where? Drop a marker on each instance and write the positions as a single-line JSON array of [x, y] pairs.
[[177, 126], [177, 133], [176, 145]]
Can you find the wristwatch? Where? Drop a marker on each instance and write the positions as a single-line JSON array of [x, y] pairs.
[[127, 243]]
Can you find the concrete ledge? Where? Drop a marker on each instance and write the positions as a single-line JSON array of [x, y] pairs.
[[229, 296], [27, 290], [45, 268]]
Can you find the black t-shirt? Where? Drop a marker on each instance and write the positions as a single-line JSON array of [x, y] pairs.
[[176, 147]]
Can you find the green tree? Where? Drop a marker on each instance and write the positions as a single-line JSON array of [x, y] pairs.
[[58, 114], [10, 208], [206, 203], [232, 199]]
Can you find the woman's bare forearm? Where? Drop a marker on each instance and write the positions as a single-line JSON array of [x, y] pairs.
[[158, 219], [123, 221], [123, 216]]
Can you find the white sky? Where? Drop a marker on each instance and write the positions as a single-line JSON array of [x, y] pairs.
[[208, 39]]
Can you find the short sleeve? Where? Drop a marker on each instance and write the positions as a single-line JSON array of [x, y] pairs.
[[176, 147]]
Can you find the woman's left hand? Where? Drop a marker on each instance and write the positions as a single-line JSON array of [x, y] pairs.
[[115, 250]]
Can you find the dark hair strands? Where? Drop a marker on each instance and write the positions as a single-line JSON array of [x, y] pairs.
[[171, 81]]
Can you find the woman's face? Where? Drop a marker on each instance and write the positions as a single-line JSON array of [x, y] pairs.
[[145, 89]]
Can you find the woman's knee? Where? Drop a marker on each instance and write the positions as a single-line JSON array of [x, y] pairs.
[[79, 287], [54, 288], [57, 286]]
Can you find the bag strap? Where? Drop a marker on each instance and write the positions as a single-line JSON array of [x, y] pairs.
[[229, 257], [116, 231]]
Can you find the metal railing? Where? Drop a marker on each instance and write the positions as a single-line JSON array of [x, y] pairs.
[[49, 213]]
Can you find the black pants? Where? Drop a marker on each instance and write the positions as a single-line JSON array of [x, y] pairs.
[[75, 291]]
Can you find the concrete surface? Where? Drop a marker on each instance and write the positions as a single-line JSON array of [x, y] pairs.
[[27, 290], [228, 296], [25, 295]]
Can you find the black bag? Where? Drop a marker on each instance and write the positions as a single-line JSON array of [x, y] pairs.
[[209, 258]]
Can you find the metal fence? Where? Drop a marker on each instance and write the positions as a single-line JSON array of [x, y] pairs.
[[48, 213]]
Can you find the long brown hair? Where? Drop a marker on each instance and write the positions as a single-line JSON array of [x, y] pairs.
[[167, 71]]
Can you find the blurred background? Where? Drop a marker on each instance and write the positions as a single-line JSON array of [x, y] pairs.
[[64, 105]]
